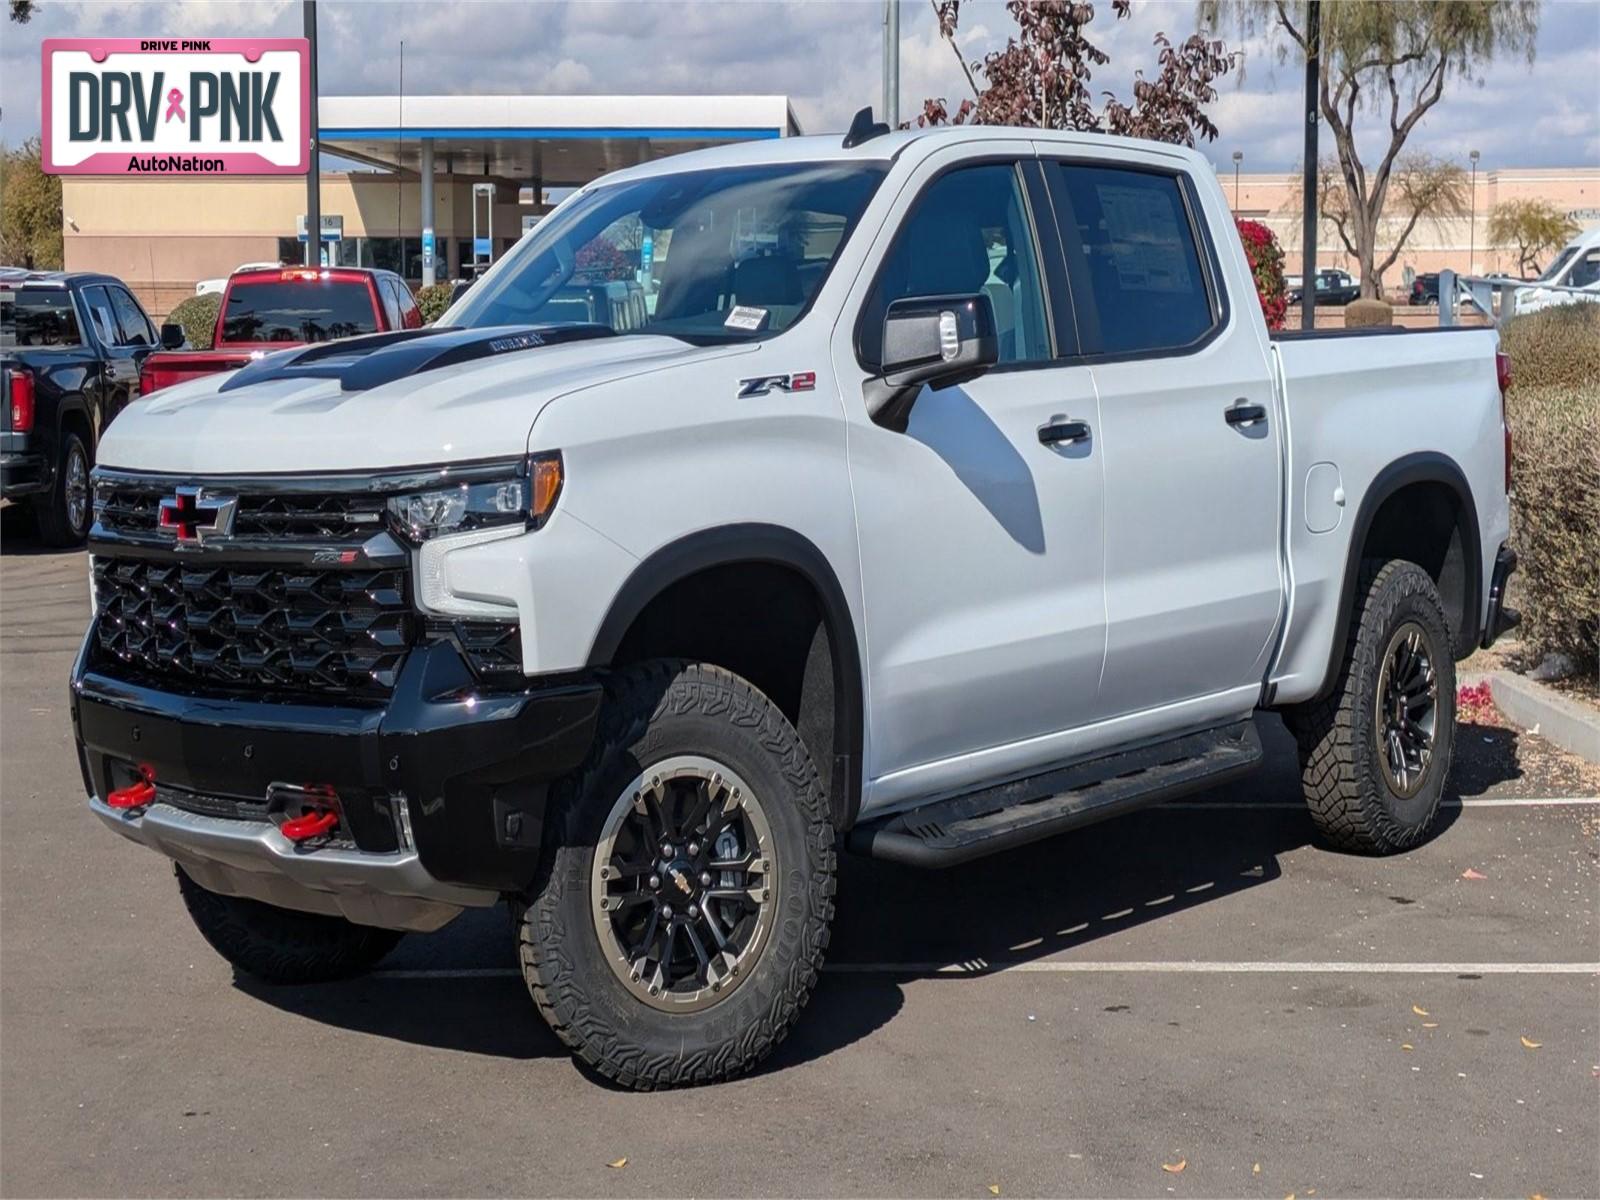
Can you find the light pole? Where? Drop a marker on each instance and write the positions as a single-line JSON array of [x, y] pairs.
[[1238, 157], [1472, 221]]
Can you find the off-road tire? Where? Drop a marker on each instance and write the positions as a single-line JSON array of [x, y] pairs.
[[652, 712], [280, 945], [50, 511], [1351, 802]]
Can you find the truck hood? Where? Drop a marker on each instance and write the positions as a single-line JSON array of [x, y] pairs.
[[286, 422]]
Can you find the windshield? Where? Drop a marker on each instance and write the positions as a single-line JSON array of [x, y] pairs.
[[298, 310], [1560, 264], [38, 317], [706, 256]]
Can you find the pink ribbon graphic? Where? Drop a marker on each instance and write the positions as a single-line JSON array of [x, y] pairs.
[[175, 106]]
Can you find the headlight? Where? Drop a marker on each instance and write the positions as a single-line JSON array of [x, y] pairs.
[[526, 497]]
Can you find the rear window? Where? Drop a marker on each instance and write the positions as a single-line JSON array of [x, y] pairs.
[[34, 317], [298, 310]]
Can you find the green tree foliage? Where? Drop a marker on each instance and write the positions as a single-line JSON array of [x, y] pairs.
[[198, 316], [1534, 227], [30, 210], [1392, 60]]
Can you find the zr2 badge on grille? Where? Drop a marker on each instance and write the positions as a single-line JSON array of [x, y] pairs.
[[193, 516]]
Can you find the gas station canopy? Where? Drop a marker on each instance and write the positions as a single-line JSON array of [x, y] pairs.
[[559, 141]]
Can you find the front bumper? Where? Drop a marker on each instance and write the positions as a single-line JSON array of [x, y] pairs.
[[440, 790], [1500, 619]]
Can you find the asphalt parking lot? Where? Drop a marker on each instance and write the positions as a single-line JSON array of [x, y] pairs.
[[1191, 1001]]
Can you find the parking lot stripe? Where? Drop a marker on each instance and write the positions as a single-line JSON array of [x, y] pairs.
[[1079, 967], [1474, 802]]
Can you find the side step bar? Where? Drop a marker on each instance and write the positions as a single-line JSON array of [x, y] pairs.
[[962, 828]]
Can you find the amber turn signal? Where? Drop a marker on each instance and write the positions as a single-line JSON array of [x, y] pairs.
[[545, 474]]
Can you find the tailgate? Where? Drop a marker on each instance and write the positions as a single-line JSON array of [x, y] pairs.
[[167, 367]]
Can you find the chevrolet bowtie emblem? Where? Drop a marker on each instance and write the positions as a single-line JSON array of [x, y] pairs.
[[192, 515], [682, 880]]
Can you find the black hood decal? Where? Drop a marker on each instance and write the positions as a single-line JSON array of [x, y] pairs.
[[367, 362]]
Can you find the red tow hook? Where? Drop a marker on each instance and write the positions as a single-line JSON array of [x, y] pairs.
[[308, 825], [135, 795]]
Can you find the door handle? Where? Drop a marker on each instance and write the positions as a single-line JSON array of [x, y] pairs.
[[1055, 432], [1240, 413]]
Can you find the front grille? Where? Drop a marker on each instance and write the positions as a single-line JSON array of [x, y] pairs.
[[130, 506], [294, 629]]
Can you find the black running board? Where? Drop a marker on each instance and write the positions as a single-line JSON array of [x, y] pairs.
[[961, 828]]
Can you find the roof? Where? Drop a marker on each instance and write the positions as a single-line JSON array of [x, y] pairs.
[[890, 146], [560, 140]]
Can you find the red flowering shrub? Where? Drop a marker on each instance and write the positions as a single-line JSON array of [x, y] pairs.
[[1266, 264]]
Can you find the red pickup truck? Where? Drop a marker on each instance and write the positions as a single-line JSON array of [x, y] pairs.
[[279, 308]]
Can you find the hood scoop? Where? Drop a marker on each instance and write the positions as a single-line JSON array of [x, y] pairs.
[[362, 363]]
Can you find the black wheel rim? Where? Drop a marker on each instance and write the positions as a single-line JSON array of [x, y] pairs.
[[75, 489], [683, 884], [1407, 709]]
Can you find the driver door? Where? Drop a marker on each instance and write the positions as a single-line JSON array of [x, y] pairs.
[[981, 540]]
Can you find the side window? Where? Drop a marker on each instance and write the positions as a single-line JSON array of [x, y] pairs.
[[1586, 272], [102, 316], [130, 317], [1139, 253], [968, 232], [391, 306], [410, 317]]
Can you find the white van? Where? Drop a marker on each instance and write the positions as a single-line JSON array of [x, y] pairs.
[[1577, 266]]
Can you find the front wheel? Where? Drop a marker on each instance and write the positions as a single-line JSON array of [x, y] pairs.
[[1375, 752], [682, 916], [281, 945]]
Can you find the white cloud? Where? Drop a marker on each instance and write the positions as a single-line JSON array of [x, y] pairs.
[[824, 54]]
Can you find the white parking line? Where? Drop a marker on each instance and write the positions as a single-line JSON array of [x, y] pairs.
[[1080, 967], [1474, 802]]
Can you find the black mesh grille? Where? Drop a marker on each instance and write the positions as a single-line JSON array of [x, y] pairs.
[[291, 628], [131, 507], [493, 648]]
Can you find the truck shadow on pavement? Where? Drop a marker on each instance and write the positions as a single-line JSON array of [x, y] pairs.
[[896, 924]]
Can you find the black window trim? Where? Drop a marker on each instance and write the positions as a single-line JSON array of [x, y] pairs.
[[151, 338], [1035, 220], [1082, 294]]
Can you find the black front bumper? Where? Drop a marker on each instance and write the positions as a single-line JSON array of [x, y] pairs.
[[472, 764]]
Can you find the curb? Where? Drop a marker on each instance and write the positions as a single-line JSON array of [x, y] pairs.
[[1572, 726]]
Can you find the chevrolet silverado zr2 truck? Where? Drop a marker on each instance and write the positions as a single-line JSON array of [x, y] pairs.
[[919, 495]]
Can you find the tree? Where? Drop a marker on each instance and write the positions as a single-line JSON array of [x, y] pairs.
[[30, 210], [1422, 188], [1041, 78], [1534, 227], [1266, 267], [22, 11], [1391, 58]]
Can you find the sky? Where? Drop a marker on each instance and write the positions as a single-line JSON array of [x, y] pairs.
[[824, 54]]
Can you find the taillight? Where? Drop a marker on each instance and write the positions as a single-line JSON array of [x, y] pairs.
[[1502, 374], [21, 400]]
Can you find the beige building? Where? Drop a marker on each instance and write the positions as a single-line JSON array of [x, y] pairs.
[[1461, 245]]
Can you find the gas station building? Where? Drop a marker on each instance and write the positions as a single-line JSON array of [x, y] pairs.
[[483, 167]]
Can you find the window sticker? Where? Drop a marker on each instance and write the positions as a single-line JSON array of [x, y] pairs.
[[1147, 246], [746, 317]]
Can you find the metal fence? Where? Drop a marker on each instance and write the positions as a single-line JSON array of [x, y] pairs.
[[1495, 296]]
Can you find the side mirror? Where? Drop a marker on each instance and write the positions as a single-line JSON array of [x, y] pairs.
[[459, 289], [930, 341], [172, 336]]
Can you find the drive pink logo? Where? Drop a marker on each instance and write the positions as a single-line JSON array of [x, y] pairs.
[[168, 106]]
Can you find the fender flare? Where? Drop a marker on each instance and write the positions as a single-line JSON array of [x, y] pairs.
[[731, 545], [1422, 467]]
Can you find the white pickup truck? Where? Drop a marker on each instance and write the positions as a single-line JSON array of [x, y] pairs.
[[922, 494]]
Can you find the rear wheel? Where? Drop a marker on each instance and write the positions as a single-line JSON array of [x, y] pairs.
[[1375, 752], [684, 910], [281, 945], [63, 512]]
